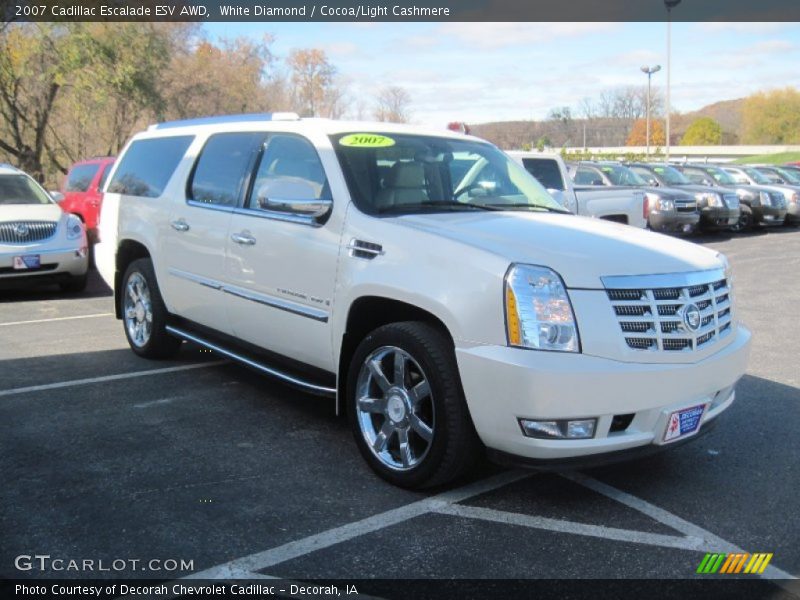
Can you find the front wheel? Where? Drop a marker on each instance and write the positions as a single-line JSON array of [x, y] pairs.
[[745, 221], [407, 409], [144, 313]]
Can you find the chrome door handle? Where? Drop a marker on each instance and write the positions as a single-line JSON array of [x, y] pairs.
[[243, 238], [180, 225]]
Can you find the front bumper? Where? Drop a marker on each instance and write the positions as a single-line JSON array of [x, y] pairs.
[[718, 218], [673, 222], [793, 212], [768, 215], [505, 384], [57, 264]]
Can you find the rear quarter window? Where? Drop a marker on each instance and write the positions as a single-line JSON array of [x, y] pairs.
[[80, 178], [148, 165]]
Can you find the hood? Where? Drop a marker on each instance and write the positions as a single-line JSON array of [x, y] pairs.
[[696, 188], [580, 249], [30, 212], [668, 193]]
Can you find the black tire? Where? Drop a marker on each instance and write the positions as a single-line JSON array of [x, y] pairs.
[[157, 343], [74, 284], [745, 222], [455, 446]]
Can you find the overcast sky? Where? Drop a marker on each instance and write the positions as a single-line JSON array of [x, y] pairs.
[[478, 72]]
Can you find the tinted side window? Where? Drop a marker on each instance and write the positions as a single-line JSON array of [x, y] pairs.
[[80, 177], [586, 176], [148, 165], [546, 171], [104, 176], [289, 168], [223, 165]]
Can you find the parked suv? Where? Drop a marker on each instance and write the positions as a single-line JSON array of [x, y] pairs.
[[425, 281], [788, 182], [770, 209], [755, 201], [669, 210], [39, 243], [83, 191], [718, 209]]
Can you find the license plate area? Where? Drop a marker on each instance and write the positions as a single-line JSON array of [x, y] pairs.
[[27, 262], [684, 422]]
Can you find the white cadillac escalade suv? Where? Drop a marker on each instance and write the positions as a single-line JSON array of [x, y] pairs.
[[427, 283]]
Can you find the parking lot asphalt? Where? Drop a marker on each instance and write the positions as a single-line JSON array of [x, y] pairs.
[[107, 456]]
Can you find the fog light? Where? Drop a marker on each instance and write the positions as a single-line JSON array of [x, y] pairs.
[[82, 252], [580, 429]]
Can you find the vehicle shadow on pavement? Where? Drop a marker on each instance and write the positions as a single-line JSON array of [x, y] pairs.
[[95, 288]]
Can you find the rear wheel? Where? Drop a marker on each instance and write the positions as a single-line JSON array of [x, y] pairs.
[[407, 409], [745, 221], [144, 313]]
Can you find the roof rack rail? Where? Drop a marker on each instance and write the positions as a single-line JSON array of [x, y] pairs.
[[276, 116]]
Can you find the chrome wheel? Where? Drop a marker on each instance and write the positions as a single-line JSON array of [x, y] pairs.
[[138, 310], [394, 408]]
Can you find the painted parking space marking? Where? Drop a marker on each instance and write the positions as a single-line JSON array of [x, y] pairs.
[[94, 316], [665, 517], [337, 535], [106, 378], [560, 526]]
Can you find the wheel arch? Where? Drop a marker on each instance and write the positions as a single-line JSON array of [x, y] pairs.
[[128, 251], [366, 314]]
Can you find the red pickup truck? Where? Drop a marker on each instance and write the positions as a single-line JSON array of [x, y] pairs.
[[82, 191]]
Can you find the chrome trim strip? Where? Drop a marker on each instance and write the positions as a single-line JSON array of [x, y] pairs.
[[278, 216], [251, 363], [210, 206], [291, 307], [667, 280], [210, 283], [279, 303]]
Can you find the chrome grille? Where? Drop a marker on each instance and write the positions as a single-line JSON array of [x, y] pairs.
[[731, 200], [777, 199], [24, 232], [653, 318], [687, 205]]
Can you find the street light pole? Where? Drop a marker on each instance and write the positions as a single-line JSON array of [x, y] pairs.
[[670, 4], [649, 72]]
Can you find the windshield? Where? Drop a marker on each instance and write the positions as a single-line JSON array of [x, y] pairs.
[[401, 173], [21, 189], [722, 177], [619, 175], [756, 176], [671, 176]]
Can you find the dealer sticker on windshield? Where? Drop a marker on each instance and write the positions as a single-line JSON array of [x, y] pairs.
[[366, 140], [684, 422]]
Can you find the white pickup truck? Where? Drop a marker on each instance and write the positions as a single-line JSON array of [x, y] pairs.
[[619, 204], [424, 281]]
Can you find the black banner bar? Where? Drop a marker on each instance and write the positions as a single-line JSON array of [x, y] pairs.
[[532, 11]]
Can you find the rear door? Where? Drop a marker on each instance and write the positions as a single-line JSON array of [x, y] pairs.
[[195, 242]]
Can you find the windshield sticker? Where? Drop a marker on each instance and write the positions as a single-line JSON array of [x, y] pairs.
[[658, 169], [366, 140]]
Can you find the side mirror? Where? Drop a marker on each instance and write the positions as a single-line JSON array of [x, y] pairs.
[[292, 197], [56, 196]]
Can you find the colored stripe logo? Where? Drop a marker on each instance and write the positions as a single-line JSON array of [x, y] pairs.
[[742, 562]]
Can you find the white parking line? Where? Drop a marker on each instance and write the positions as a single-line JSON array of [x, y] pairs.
[[94, 316], [331, 537], [105, 378], [557, 525], [713, 542]]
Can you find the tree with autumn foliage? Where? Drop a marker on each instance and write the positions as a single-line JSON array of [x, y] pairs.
[[772, 117], [638, 133], [704, 131]]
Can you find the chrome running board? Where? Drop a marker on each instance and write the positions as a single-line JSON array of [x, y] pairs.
[[306, 385]]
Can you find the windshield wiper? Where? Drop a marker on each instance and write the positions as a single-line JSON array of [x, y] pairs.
[[525, 205], [435, 204]]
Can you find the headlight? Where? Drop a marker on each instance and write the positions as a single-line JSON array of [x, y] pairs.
[[765, 199], [538, 311], [711, 199], [662, 204], [795, 198], [74, 227]]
